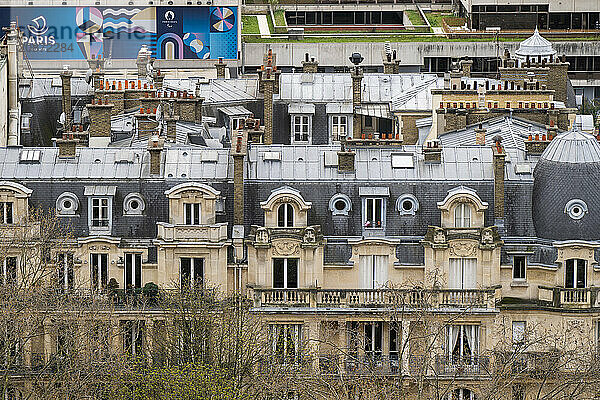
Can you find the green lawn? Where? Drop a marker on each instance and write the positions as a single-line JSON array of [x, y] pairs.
[[279, 17], [250, 24], [435, 18], [270, 22], [415, 17]]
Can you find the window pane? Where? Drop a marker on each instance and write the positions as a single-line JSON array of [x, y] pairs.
[[281, 216], [128, 269], [580, 273], [570, 274], [196, 214], [9, 213], [378, 212], [278, 274], [185, 272], [188, 214], [290, 215], [104, 270], [369, 216], [292, 273], [198, 272], [138, 271]]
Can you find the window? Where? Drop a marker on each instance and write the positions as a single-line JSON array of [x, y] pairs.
[[133, 270], [285, 273], [193, 337], [133, 337], [576, 209], [6, 212], [368, 121], [373, 214], [192, 213], [518, 332], [463, 344], [373, 271], [237, 123], [519, 268], [508, 104], [373, 340], [575, 273], [286, 343], [407, 204], [462, 273], [67, 204], [99, 271], [134, 204], [393, 343], [64, 271], [301, 128], [285, 216], [100, 214], [9, 270], [461, 394], [340, 204], [339, 127], [462, 216], [192, 272]]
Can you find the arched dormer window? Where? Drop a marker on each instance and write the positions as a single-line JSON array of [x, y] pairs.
[[285, 208], [462, 208], [285, 216], [462, 215], [192, 203]]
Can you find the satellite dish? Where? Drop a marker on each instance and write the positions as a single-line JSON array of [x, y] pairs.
[[159, 113], [62, 119], [88, 76]]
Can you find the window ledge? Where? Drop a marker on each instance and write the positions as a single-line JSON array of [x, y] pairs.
[[100, 231], [519, 284]]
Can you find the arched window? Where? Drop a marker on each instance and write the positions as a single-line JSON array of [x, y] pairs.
[[575, 273], [285, 216], [462, 215]]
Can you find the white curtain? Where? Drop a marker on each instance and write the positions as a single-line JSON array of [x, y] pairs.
[[380, 271], [365, 270], [453, 338], [462, 273]]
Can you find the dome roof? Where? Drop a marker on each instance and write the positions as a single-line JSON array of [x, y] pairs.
[[535, 45], [574, 147]]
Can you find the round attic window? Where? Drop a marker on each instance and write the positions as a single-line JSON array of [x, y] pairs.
[[340, 204], [407, 204], [133, 204], [67, 204], [576, 209]]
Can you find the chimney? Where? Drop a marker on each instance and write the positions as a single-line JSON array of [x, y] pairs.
[[239, 147], [432, 152], [309, 66], [346, 161], [498, 164], [142, 61], [155, 147], [466, 66], [67, 146], [447, 80], [480, 135], [146, 123], [65, 76], [268, 87], [455, 80], [158, 79], [168, 110], [198, 105], [220, 68], [357, 76], [99, 130]]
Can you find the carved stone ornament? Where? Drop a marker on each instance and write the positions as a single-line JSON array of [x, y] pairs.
[[487, 237], [439, 236], [262, 236], [463, 248], [286, 248], [309, 236]]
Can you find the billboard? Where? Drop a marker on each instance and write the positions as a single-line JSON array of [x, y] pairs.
[[77, 33]]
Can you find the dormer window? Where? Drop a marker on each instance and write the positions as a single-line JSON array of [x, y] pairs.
[[6, 212], [373, 213], [285, 216], [462, 216], [100, 208], [192, 213], [301, 128], [100, 212]]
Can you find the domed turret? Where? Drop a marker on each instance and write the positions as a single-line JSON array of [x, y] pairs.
[[535, 47], [566, 189]]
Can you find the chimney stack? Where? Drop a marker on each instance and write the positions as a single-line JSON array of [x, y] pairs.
[[357, 76], [346, 161], [268, 88], [67, 109], [142, 61], [309, 66], [67, 146], [466, 66], [99, 130], [480, 132], [239, 147], [158, 79], [220, 68], [498, 164], [155, 147], [146, 123], [432, 152]]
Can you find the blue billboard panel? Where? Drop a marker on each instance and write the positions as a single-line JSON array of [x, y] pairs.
[[75, 33]]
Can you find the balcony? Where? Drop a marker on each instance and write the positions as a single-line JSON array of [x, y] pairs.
[[569, 298], [376, 298], [463, 366], [215, 233]]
